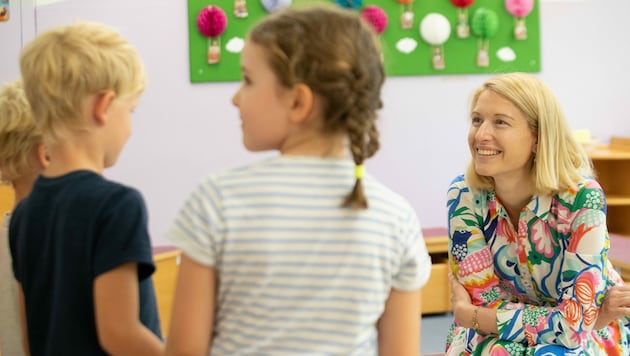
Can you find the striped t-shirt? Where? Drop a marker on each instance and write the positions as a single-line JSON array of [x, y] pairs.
[[299, 274]]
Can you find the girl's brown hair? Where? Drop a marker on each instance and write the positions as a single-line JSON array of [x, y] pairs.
[[337, 54]]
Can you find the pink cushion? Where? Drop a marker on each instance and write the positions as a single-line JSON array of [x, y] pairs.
[[434, 232], [162, 249], [619, 248]]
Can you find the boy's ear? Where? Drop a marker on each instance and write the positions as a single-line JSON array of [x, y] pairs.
[[101, 103], [42, 156], [302, 103]]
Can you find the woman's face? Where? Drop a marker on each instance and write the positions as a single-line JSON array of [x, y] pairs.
[[500, 140]]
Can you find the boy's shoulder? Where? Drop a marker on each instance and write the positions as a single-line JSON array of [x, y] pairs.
[[82, 180], [89, 188]]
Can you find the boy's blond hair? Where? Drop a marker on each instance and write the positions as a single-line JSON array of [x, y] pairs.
[[18, 134], [64, 66]]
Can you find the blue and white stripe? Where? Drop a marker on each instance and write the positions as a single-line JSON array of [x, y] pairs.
[[299, 274]]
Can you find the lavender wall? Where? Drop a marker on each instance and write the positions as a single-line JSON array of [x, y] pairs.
[[183, 132]]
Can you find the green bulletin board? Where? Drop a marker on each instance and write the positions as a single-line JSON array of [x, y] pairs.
[[460, 55]]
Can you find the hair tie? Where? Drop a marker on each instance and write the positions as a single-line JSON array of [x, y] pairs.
[[359, 171]]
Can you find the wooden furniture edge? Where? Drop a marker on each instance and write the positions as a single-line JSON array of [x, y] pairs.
[[161, 256], [618, 253], [436, 239]]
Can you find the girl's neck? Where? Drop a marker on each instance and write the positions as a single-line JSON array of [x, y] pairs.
[[317, 145]]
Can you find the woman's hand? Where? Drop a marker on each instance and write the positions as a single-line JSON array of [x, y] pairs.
[[459, 294], [616, 305], [460, 301], [466, 314]]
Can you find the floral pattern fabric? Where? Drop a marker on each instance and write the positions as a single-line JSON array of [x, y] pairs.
[[546, 277]]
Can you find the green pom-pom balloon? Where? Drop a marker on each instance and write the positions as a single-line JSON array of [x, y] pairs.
[[484, 23]]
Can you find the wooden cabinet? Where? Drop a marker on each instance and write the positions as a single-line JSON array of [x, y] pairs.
[[6, 198], [436, 294], [166, 260], [612, 168]]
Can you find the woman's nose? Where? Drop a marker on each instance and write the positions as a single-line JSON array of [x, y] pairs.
[[484, 131]]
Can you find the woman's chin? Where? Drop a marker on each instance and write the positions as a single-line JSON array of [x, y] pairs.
[[482, 171]]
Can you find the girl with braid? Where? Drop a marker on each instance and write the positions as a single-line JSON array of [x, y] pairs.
[[303, 253]]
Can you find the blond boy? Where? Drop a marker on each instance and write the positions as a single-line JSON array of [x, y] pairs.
[[22, 158], [80, 246]]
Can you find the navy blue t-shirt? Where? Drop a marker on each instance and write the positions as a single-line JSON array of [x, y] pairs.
[[68, 231]]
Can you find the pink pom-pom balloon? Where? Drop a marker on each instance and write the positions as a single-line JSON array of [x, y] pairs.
[[376, 16], [519, 8], [211, 21], [462, 3]]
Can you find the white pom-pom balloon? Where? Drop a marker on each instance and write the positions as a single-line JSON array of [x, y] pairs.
[[274, 5], [435, 29]]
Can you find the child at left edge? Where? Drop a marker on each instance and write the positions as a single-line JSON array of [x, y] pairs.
[[22, 158]]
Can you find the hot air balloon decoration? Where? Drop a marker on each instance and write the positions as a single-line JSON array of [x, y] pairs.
[[435, 30], [274, 5], [240, 9], [406, 19], [375, 16], [4, 10], [484, 25], [519, 9], [211, 22], [463, 29]]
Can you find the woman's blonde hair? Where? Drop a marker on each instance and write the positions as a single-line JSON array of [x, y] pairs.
[[18, 135], [560, 162], [64, 66]]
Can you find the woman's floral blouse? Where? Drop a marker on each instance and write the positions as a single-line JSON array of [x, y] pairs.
[[546, 277]]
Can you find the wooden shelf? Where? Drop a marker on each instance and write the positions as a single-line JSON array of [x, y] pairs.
[[606, 153], [612, 168], [164, 280], [437, 244], [617, 200], [6, 198], [436, 294]]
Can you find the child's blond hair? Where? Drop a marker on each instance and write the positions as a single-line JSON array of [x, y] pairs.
[[18, 134], [64, 66]]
